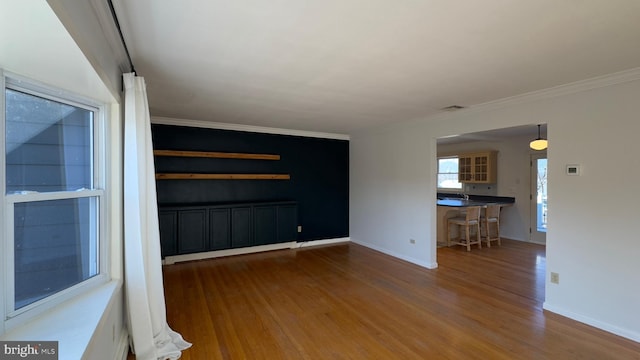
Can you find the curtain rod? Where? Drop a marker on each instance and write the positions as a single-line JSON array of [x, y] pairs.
[[117, 23]]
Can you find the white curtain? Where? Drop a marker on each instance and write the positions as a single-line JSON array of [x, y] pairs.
[[151, 336]]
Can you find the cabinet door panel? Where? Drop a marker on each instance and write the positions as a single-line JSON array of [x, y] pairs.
[[265, 229], [192, 231], [168, 232], [477, 168], [240, 227], [287, 223], [480, 171], [219, 229], [464, 169]]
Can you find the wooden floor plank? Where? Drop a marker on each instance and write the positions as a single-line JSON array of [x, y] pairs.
[[349, 302]]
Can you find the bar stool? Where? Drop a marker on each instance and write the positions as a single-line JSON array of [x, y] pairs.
[[471, 220], [491, 216]]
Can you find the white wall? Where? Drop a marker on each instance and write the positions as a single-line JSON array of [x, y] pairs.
[[35, 44], [91, 26], [592, 240], [109, 341], [389, 195]]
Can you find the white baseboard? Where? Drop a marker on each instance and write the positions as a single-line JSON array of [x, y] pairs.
[[320, 242], [523, 240], [625, 333], [399, 256], [169, 260], [544, 243], [123, 346]]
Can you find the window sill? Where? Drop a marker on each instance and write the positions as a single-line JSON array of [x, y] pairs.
[[72, 324]]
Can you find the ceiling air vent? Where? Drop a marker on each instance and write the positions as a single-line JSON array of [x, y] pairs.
[[452, 108]]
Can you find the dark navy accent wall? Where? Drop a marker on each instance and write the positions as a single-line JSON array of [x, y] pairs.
[[319, 170]]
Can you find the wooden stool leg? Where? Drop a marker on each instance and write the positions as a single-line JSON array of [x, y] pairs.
[[466, 228], [478, 236], [487, 226]]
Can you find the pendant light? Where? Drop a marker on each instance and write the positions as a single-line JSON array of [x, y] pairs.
[[539, 143]]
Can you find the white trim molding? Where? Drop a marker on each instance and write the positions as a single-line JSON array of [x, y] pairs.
[[248, 128], [632, 335], [427, 265], [565, 89], [552, 92], [122, 349], [75, 324], [170, 260], [310, 243]]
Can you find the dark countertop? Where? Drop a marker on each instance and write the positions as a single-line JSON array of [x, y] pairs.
[[456, 200]]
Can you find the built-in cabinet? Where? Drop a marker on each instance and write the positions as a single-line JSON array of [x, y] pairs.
[[477, 167], [199, 228]]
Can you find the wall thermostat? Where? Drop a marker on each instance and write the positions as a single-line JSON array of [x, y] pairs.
[[573, 169]]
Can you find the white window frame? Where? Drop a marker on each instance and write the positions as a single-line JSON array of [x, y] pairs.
[[10, 317], [438, 173]]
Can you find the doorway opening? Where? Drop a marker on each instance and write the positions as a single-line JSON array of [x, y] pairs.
[[512, 145], [538, 199]]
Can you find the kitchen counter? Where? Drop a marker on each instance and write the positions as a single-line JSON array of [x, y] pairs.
[[467, 203], [456, 200], [450, 205]]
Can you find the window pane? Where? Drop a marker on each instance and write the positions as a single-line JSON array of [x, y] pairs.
[[55, 246], [48, 144], [448, 166], [448, 173], [449, 181]]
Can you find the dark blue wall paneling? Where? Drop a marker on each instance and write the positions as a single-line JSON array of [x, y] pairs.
[[319, 170]]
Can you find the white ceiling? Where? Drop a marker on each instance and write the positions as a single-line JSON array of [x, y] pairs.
[[341, 65]]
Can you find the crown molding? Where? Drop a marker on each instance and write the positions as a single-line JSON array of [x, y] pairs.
[[553, 92], [248, 128], [566, 89]]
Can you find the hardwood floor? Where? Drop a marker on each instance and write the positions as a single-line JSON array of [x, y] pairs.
[[349, 302]]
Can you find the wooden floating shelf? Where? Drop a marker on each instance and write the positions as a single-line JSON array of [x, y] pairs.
[[217, 155], [188, 176]]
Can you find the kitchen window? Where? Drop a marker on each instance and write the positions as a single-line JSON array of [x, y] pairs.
[[448, 173], [52, 198]]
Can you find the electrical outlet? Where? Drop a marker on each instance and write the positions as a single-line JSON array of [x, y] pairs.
[[299, 228], [555, 278], [412, 241]]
